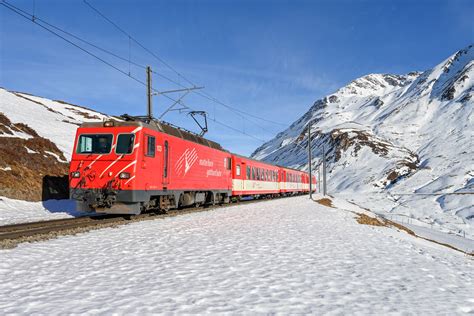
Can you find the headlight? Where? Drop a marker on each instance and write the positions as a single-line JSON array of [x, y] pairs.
[[75, 174], [124, 175]]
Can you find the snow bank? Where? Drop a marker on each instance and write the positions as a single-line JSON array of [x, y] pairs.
[[18, 211]]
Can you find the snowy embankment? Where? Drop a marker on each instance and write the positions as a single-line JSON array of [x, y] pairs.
[[17, 211], [288, 255]]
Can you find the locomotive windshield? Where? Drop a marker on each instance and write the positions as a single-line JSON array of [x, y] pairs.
[[94, 144], [125, 143]]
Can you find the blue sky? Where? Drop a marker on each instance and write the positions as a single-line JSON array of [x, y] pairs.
[[269, 58]]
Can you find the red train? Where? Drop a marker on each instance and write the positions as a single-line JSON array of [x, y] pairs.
[[127, 167]]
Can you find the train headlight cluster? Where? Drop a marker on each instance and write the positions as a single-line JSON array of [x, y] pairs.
[[75, 174], [124, 175]]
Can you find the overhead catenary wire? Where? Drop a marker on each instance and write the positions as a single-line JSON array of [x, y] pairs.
[[29, 16], [76, 37], [21, 13], [202, 94]]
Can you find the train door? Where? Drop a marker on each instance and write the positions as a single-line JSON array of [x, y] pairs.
[[166, 165], [239, 167], [150, 160]]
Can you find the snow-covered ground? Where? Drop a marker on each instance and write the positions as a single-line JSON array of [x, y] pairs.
[[18, 211], [288, 256]]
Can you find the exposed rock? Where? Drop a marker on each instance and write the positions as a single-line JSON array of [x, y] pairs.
[[26, 162]]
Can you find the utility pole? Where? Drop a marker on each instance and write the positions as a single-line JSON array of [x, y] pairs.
[[319, 178], [324, 170], [309, 162], [149, 93]]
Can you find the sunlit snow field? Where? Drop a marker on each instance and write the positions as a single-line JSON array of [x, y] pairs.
[[289, 255]]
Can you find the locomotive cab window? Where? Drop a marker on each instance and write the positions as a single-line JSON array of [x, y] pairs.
[[94, 144], [125, 143], [150, 146]]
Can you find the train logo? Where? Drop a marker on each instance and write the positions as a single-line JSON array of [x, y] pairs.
[[186, 161]]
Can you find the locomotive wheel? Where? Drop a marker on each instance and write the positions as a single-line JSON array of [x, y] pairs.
[[164, 203]]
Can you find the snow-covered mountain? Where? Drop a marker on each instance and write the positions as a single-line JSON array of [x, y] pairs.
[[395, 143], [36, 140]]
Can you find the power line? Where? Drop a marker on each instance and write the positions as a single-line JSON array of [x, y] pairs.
[[137, 42], [202, 94], [81, 39], [29, 17]]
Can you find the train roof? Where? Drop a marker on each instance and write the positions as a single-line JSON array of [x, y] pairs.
[[159, 126]]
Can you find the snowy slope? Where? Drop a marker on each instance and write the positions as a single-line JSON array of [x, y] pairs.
[[389, 136], [286, 256], [53, 120]]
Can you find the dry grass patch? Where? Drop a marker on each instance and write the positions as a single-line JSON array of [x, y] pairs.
[[326, 202], [367, 220]]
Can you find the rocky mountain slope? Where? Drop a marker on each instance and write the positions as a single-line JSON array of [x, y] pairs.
[[36, 140], [398, 144]]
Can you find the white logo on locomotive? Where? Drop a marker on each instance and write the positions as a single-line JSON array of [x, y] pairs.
[[186, 161]]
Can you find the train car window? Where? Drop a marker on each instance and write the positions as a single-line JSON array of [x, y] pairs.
[[253, 173], [165, 158], [237, 170], [228, 162], [94, 144], [150, 146], [248, 172]]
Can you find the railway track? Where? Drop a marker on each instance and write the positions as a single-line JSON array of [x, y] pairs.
[[15, 231], [12, 235]]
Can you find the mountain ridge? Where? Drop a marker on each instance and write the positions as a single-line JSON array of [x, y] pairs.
[[425, 118]]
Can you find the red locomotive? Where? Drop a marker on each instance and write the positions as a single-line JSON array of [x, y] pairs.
[[127, 167]]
